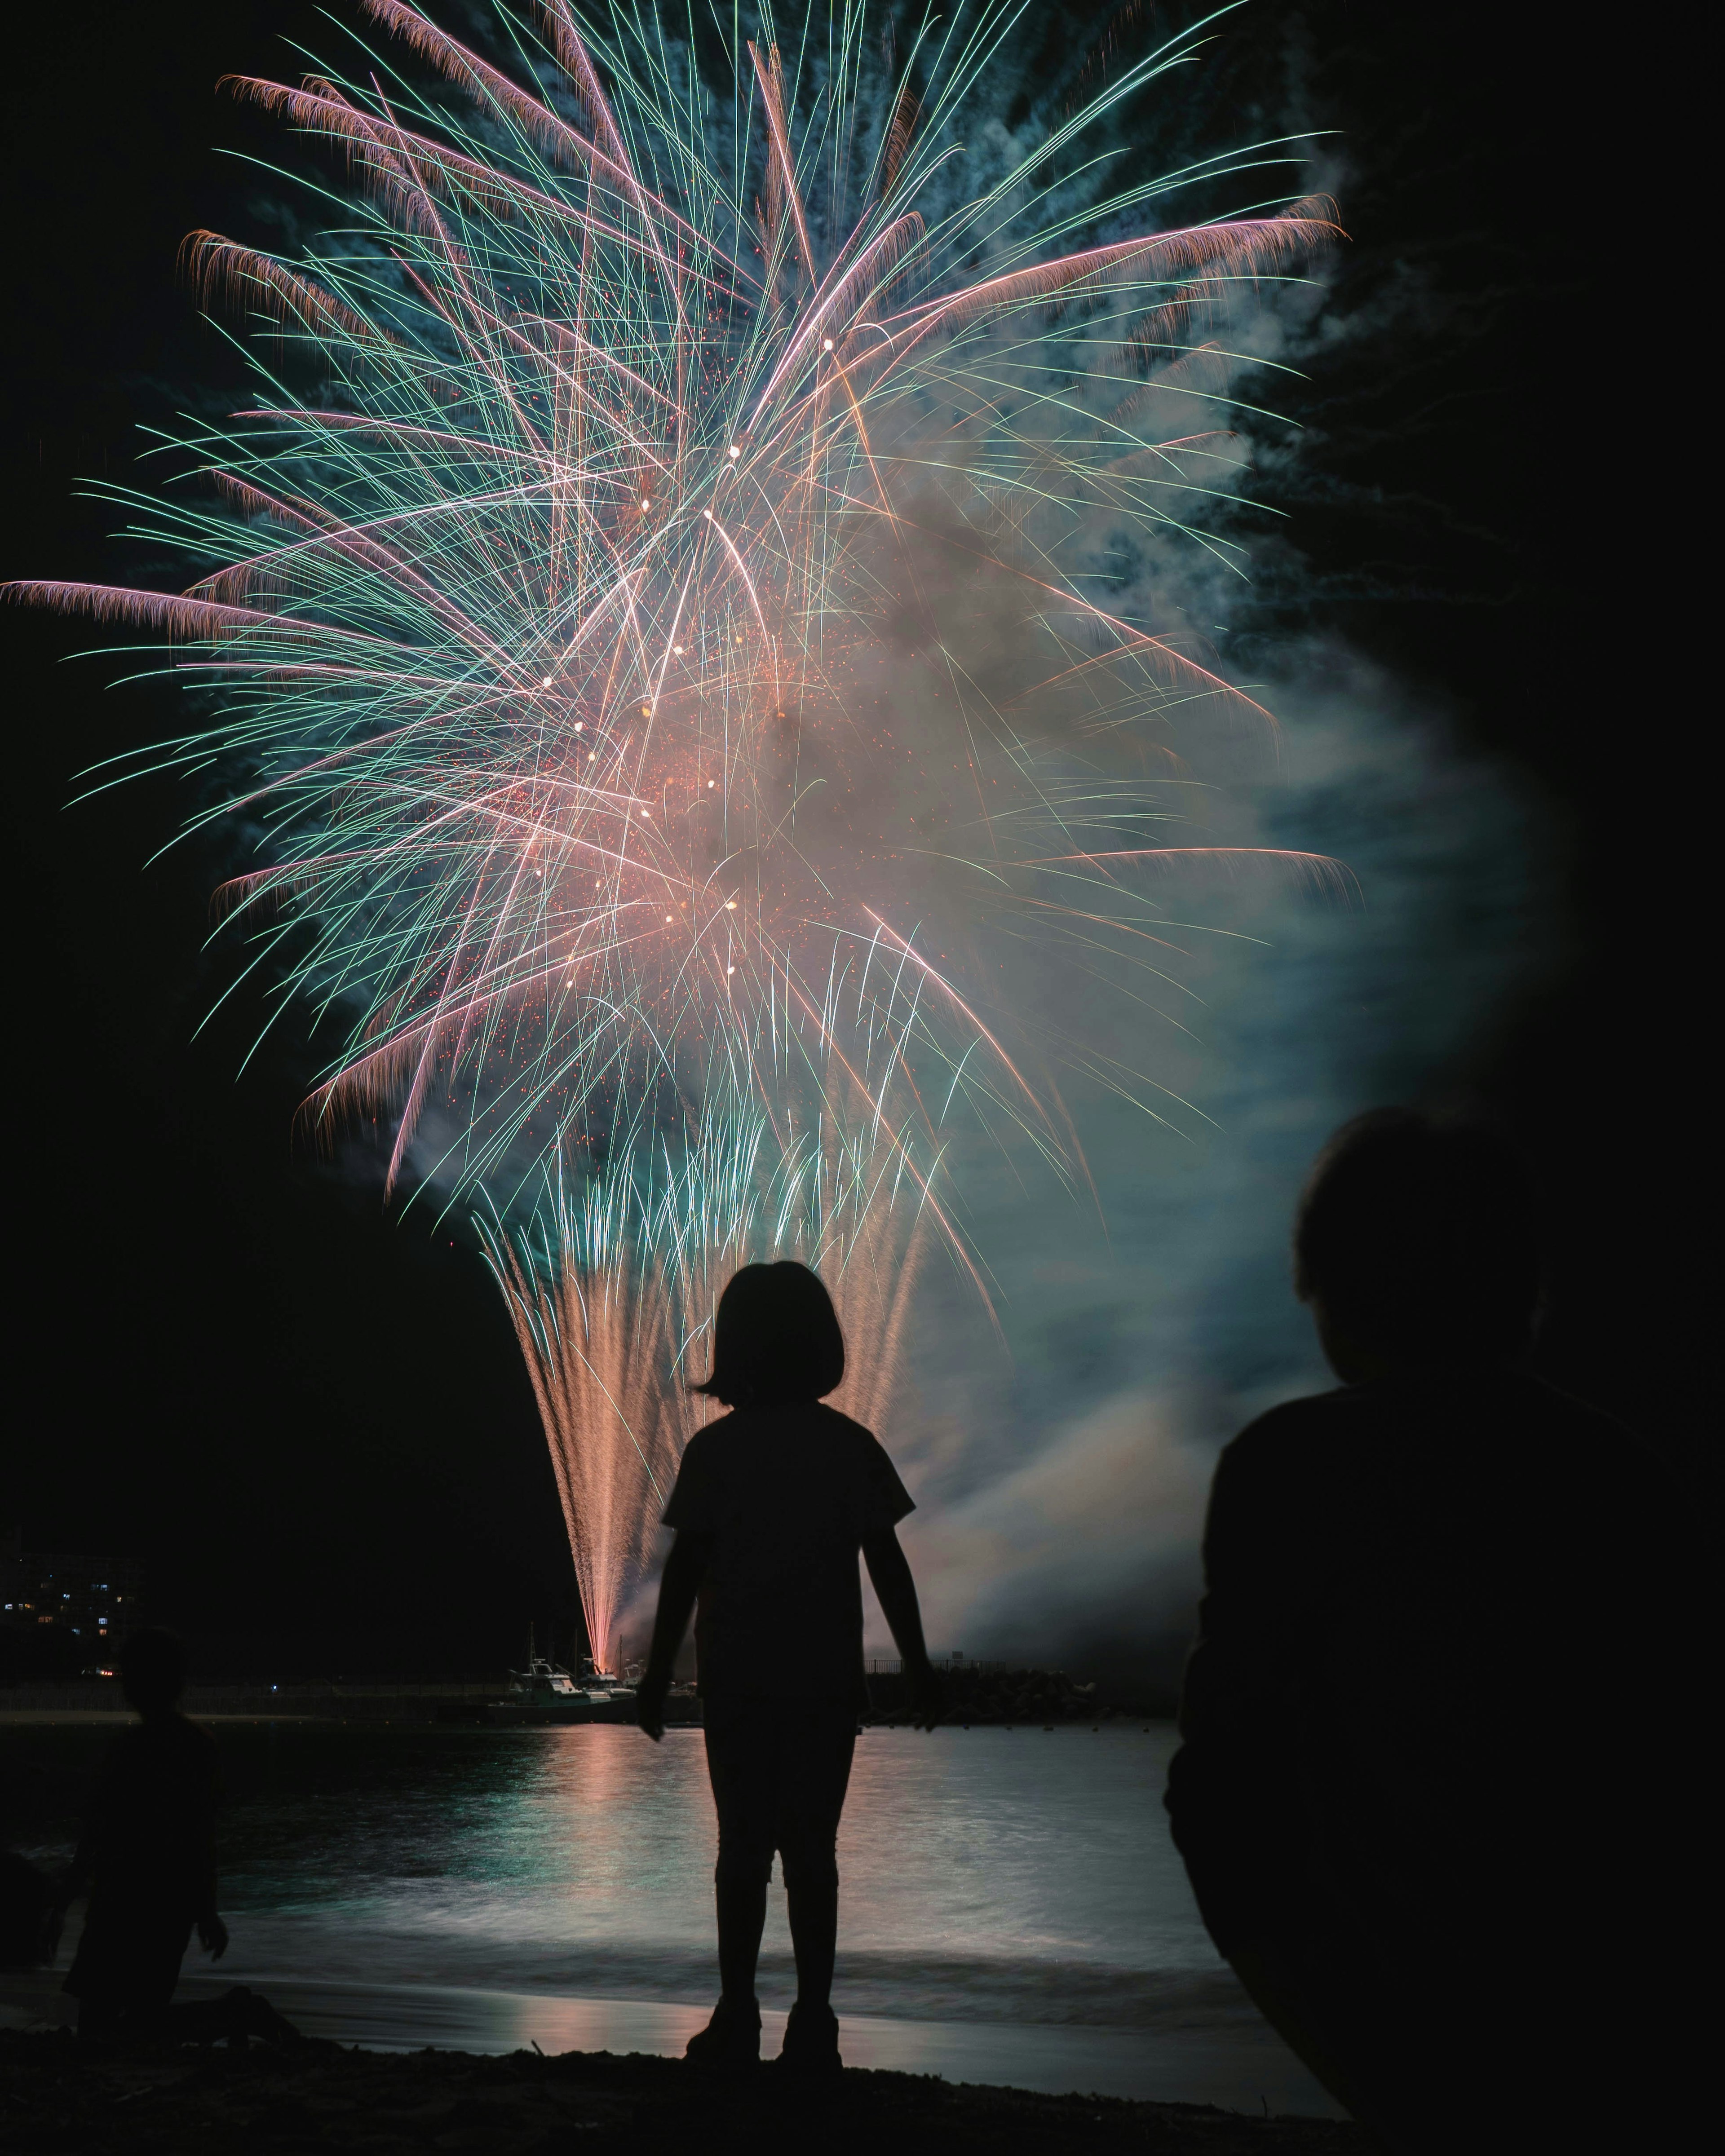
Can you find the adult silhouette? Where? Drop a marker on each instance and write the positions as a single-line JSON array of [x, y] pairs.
[[1405, 1796], [772, 1503]]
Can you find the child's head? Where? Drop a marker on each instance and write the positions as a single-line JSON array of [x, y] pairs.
[[152, 1669], [1416, 1239], [776, 1338]]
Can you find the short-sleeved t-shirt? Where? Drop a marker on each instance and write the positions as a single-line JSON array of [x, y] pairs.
[[788, 1495]]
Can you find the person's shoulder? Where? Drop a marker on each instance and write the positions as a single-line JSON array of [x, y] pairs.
[[798, 1421], [1600, 1457], [1315, 1419], [852, 1443], [1521, 1417], [179, 1732], [1578, 1419], [709, 1460], [711, 1438], [834, 1424], [1506, 1411], [1294, 1451], [163, 1740]]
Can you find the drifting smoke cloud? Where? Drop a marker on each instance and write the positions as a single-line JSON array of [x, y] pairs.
[[1061, 1464], [1095, 1531], [1061, 1504], [1061, 1468]]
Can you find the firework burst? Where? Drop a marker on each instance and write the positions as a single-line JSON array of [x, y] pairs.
[[660, 653]]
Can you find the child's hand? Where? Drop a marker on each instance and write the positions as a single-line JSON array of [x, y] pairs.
[[48, 1939], [928, 1697], [649, 1706], [213, 1935]]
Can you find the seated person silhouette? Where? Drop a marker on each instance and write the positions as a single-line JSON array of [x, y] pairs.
[[30, 1914], [148, 1857], [772, 1503], [1425, 1592]]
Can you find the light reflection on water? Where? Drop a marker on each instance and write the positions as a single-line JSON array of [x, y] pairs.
[[980, 1858], [1012, 1908]]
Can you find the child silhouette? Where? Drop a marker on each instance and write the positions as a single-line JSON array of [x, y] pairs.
[[772, 1505], [148, 1857]]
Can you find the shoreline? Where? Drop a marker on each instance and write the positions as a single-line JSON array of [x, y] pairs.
[[1196, 2055], [318, 2096]]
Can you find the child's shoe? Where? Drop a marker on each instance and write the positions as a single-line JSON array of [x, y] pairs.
[[811, 2043], [731, 2042]]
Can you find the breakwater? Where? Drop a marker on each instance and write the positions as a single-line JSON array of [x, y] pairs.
[[985, 1695], [325, 1701]]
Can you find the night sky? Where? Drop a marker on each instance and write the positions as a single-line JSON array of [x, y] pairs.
[[311, 1423]]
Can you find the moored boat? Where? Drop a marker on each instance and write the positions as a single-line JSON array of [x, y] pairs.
[[545, 1691]]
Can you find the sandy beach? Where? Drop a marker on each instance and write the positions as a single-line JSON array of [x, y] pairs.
[[320, 2097]]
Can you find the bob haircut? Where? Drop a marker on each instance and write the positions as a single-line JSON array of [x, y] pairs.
[[776, 1338], [1417, 1232]]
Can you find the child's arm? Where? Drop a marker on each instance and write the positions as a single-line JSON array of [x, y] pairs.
[[683, 1571], [890, 1572], [212, 1932], [76, 1878]]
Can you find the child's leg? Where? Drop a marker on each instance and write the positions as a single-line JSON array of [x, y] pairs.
[[814, 1909], [817, 1771], [126, 1966], [740, 1755], [741, 1900]]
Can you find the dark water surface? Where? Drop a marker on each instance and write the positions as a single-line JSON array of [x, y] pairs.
[[1013, 1909]]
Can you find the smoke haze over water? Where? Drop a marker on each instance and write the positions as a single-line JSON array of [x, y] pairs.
[[1061, 1466], [1061, 1497], [1062, 1463]]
